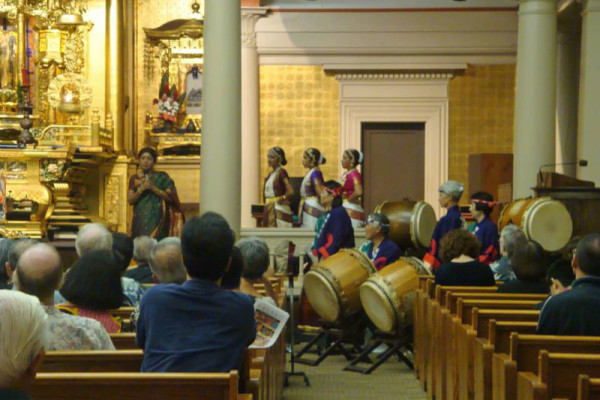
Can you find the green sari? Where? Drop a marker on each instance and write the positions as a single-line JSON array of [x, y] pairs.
[[153, 216]]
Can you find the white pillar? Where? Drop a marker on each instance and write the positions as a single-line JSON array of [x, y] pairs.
[[250, 116], [588, 140], [535, 98], [567, 97], [220, 188]]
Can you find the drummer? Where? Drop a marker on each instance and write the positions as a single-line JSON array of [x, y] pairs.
[[449, 195], [379, 248], [482, 204], [334, 229]]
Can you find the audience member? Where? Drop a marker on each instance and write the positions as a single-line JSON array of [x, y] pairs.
[[5, 245], [15, 250], [486, 231], [510, 236], [142, 247], [93, 237], [166, 261], [93, 286], [528, 262], [233, 276], [575, 311], [378, 247], [189, 327], [39, 274], [255, 256], [459, 252], [23, 329], [132, 290]]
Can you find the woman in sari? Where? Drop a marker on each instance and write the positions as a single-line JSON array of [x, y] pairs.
[[156, 209], [310, 209], [351, 182], [277, 191]]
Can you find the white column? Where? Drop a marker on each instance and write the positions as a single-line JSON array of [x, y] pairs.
[[535, 98], [567, 97], [588, 141], [250, 116], [220, 188]]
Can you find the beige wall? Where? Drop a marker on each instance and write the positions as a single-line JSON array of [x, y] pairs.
[[299, 108], [481, 116]]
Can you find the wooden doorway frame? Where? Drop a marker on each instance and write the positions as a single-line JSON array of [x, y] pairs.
[[385, 97]]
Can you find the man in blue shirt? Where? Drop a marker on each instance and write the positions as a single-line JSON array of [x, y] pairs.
[[575, 311], [197, 326]]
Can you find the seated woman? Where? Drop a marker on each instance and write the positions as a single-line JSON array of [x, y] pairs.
[[255, 256], [529, 264], [482, 205], [459, 252], [510, 237], [379, 248], [93, 286], [334, 229]]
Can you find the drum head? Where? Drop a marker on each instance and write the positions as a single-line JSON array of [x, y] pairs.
[[378, 304], [322, 296], [549, 223], [422, 224]]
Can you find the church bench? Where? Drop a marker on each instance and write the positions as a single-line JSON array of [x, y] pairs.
[[497, 340], [136, 386], [557, 376], [123, 341], [453, 297], [93, 361], [524, 357], [122, 312], [588, 388]]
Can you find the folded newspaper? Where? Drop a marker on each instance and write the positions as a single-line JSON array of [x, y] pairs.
[[270, 321]]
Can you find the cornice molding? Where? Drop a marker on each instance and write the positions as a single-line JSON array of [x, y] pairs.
[[383, 76]]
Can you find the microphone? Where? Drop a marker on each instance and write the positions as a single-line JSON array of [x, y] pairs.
[[581, 163]]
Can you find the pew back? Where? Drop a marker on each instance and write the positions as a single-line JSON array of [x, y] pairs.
[[93, 361]]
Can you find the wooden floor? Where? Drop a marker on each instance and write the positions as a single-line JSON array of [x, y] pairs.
[[391, 381]]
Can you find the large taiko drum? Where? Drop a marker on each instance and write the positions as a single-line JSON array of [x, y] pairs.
[[412, 222], [542, 219], [333, 286], [388, 296]]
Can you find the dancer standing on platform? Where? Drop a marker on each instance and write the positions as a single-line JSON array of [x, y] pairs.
[[310, 209], [277, 191], [156, 209], [379, 248], [450, 193], [482, 204], [351, 182]]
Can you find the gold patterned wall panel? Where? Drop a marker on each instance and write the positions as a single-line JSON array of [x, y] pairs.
[[299, 108], [481, 116]]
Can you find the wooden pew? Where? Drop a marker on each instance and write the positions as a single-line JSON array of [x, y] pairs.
[[497, 340], [134, 386], [93, 361], [587, 388], [122, 312], [557, 375], [123, 341], [523, 357]]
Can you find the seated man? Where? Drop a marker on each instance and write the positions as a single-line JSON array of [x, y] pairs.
[[5, 245], [15, 250], [379, 248], [22, 344], [93, 237], [197, 326], [575, 311], [39, 273], [142, 246]]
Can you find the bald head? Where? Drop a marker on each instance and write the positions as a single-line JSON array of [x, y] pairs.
[[166, 262], [93, 237], [39, 272]]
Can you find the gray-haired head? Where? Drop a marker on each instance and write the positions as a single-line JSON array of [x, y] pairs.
[[142, 247], [23, 335], [452, 188], [92, 237], [381, 221], [166, 261], [511, 236], [255, 254]]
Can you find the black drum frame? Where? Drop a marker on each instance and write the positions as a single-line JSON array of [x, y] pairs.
[[397, 344]]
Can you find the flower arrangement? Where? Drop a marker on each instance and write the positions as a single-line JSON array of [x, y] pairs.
[[170, 101]]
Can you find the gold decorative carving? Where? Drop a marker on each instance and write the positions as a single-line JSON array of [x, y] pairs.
[[112, 189]]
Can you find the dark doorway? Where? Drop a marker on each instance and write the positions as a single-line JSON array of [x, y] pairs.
[[394, 162]]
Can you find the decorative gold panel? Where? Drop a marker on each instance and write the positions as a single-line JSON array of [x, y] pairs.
[[299, 108], [112, 199], [482, 103]]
